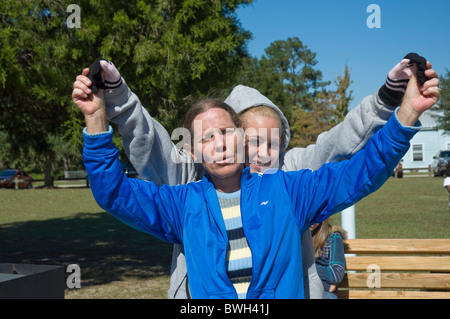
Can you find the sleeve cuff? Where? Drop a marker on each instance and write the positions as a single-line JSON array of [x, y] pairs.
[[415, 128], [85, 132], [399, 134], [100, 142], [118, 95]]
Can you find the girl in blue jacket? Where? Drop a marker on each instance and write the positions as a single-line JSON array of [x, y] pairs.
[[242, 231]]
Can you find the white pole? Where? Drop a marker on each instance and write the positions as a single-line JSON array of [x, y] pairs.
[[348, 221]]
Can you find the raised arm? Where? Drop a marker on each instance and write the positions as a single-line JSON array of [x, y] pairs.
[[336, 186], [146, 142], [360, 124], [140, 204]]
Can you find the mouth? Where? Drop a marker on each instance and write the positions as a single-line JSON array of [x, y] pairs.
[[263, 164], [225, 161], [258, 166]]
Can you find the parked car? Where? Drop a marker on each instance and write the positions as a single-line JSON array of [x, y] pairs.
[[8, 176], [398, 170], [129, 170], [440, 162]]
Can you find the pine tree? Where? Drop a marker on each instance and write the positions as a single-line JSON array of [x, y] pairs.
[[444, 102]]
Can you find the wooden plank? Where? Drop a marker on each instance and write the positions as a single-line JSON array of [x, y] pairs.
[[390, 294], [398, 246], [397, 280], [403, 263]]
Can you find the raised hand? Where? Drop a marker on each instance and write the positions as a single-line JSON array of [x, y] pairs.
[[91, 105], [417, 98]]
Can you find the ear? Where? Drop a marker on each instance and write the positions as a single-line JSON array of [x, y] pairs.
[[190, 149]]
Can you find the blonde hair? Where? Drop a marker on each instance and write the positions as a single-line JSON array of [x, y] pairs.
[[321, 233], [262, 110]]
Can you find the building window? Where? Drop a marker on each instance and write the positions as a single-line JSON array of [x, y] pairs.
[[417, 152], [448, 145]]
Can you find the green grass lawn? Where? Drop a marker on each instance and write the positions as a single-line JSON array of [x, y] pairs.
[[410, 207], [66, 226]]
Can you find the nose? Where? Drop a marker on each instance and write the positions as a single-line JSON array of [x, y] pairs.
[[264, 153], [220, 144], [263, 149]]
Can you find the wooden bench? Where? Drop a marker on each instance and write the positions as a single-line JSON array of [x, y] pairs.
[[396, 268]]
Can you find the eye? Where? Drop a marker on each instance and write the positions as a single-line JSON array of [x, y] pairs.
[[228, 131], [253, 141], [274, 145], [208, 138]]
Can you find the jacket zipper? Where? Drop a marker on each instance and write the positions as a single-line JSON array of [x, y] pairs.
[[220, 223], [252, 280]]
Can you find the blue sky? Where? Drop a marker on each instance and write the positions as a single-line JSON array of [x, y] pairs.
[[336, 30]]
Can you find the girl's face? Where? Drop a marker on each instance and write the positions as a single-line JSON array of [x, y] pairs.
[[262, 143]]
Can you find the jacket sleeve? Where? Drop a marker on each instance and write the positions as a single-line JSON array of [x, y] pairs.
[[343, 140], [146, 142], [316, 195], [332, 269], [138, 203]]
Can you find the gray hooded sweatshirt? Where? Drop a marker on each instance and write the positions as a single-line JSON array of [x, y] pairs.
[[155, 157]]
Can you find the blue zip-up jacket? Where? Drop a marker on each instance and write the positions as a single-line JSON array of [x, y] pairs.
[[276, 209]]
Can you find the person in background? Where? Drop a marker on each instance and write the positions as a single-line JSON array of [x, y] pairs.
[[447, 183], [328, 242]]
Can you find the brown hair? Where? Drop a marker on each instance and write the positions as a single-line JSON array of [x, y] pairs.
[[321, 233], [206, 104], [263, 110]]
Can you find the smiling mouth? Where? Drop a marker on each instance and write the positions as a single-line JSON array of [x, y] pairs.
[[261, 164], [260, 167]]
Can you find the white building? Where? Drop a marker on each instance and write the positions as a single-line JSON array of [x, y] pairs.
[[426, 143]]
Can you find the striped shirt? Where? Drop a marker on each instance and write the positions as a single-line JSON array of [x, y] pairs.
[[331, 263], [239, 256]]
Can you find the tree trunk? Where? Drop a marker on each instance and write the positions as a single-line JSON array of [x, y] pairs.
[[48, 179]]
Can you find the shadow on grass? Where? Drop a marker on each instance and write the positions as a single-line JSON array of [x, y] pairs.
[[105, 249]]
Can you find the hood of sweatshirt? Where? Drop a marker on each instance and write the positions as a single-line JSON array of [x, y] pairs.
[[244, 97]]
